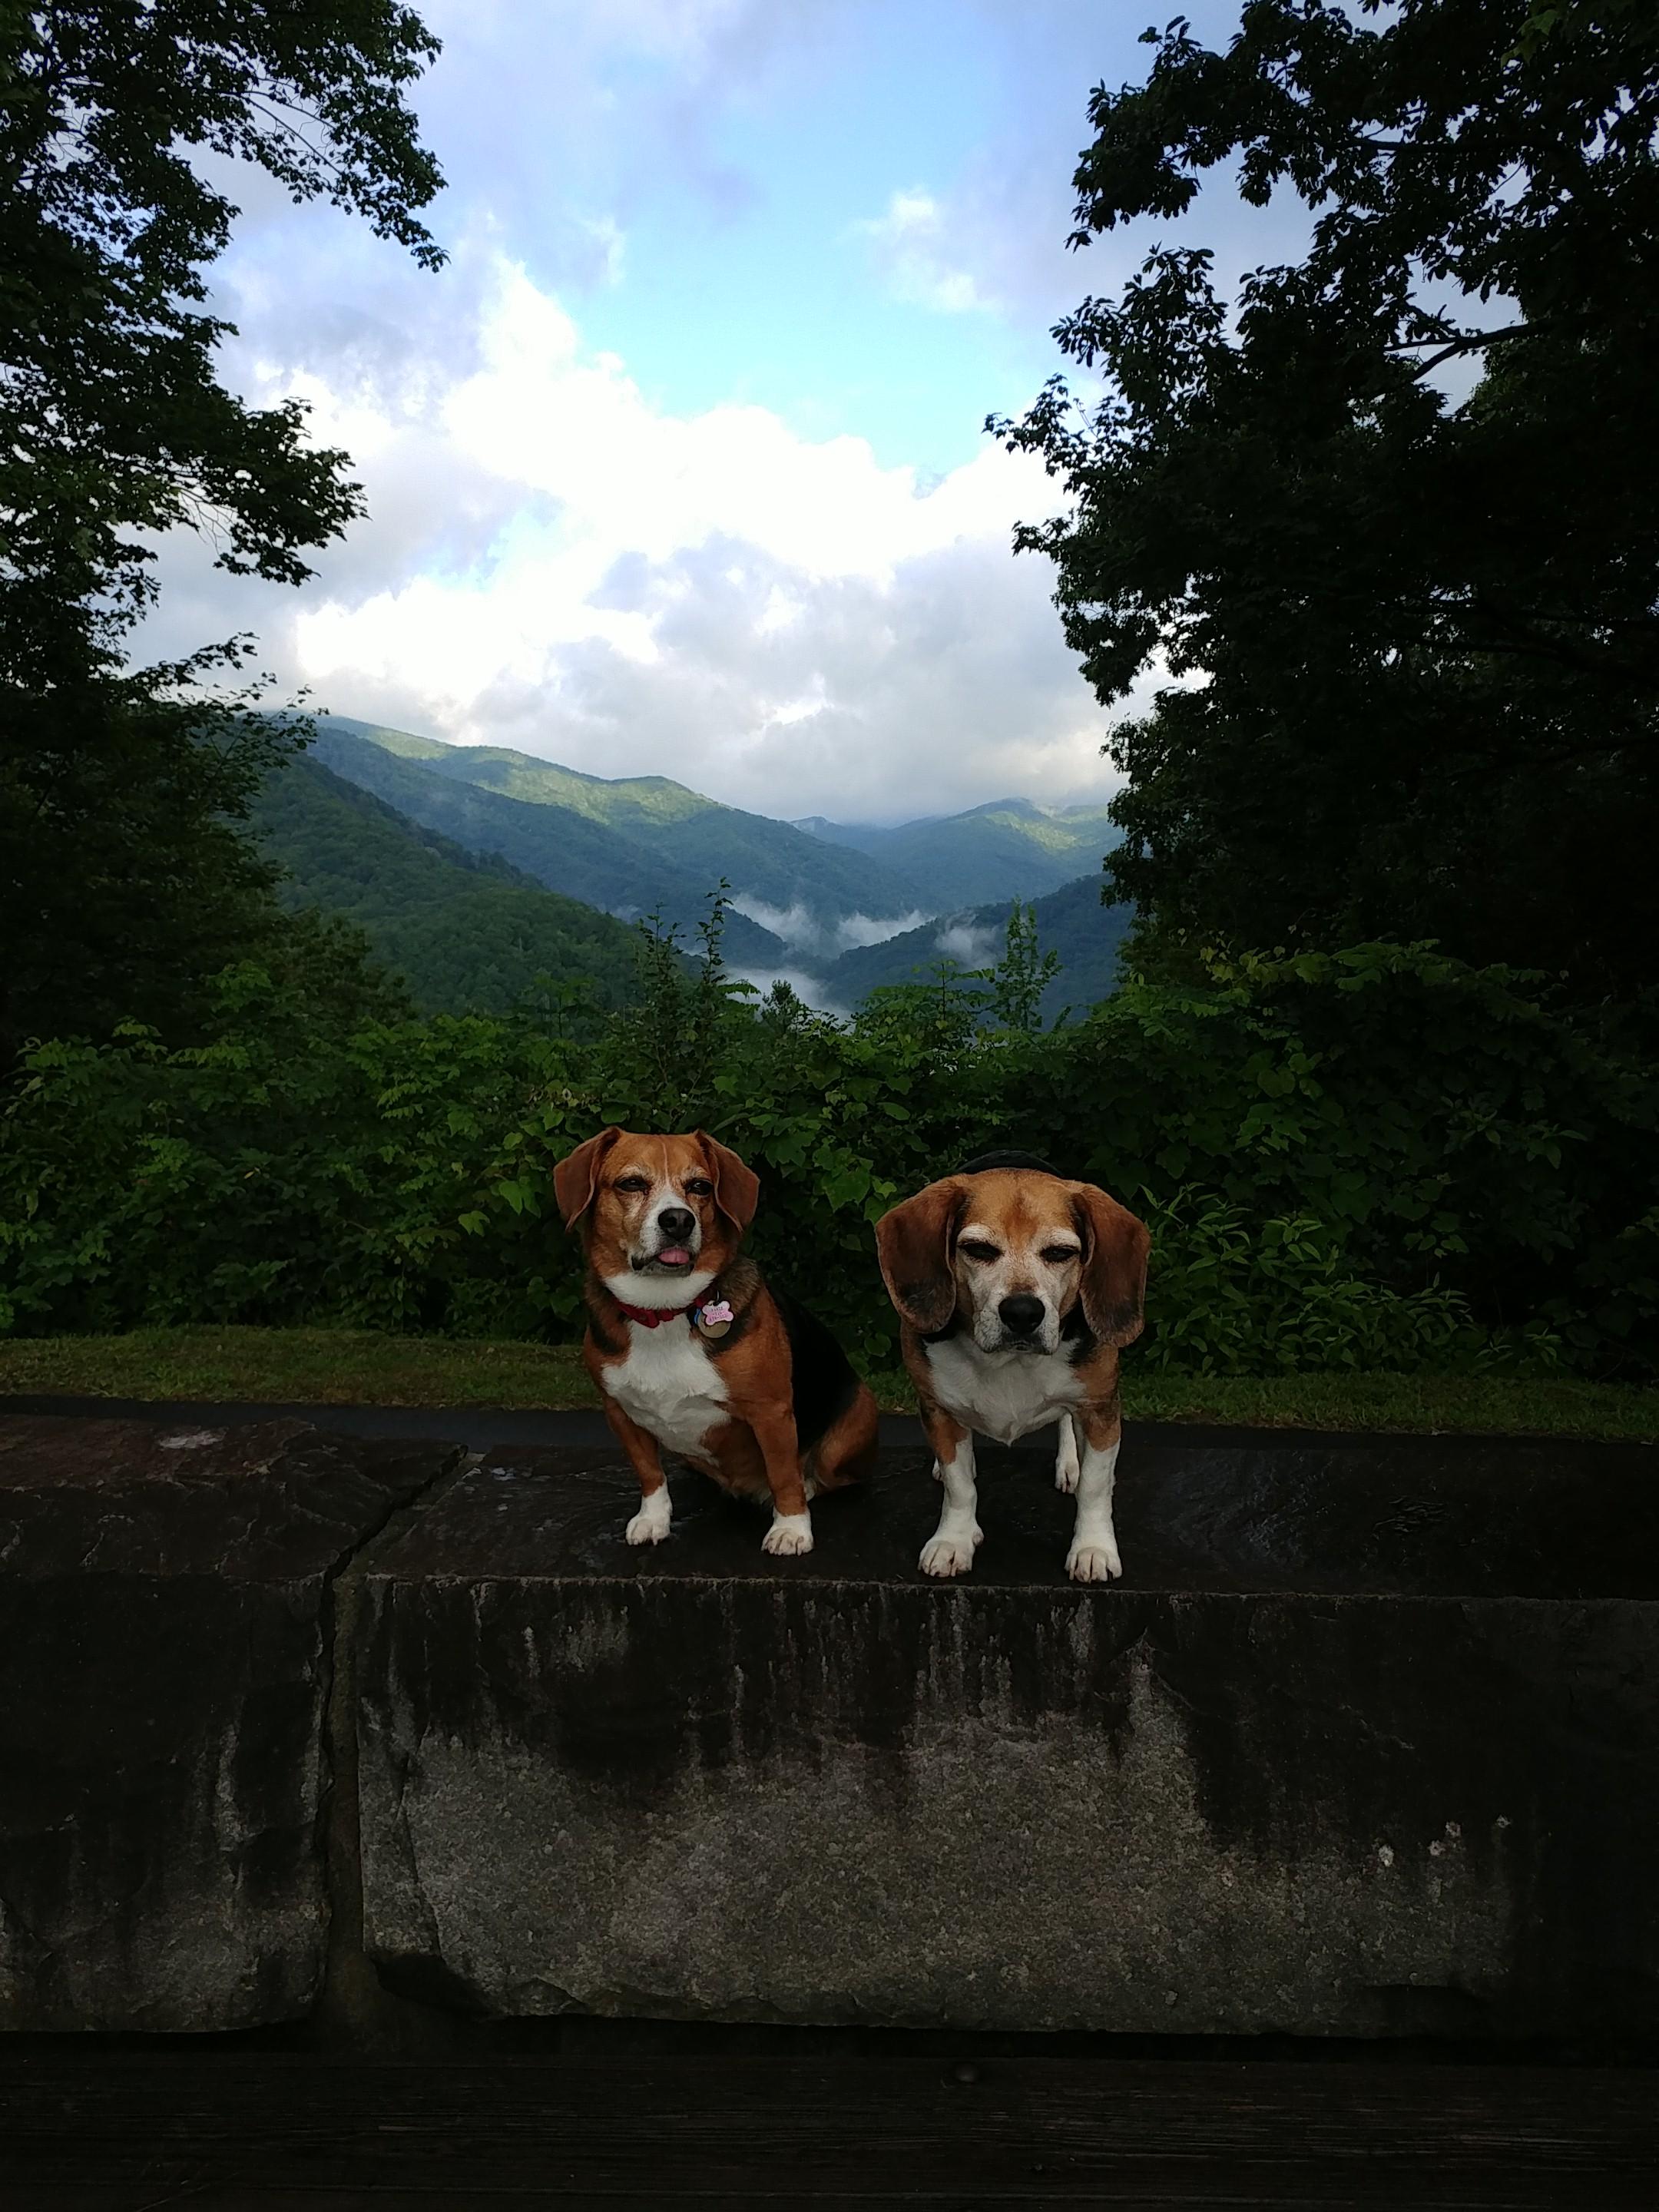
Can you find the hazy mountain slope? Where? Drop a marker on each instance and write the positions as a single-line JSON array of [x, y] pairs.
[[767, 861], [1007, 849], [467, 934], [403, 742], [566, 851], [1071, 921]]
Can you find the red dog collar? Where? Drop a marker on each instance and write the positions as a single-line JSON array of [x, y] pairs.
[[713, 1316], [653, 1316]]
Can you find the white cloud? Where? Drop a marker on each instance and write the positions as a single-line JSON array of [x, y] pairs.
[[808, 988], [973, 946], [909, 239], [805, 933], [553, 561], [863, 929]]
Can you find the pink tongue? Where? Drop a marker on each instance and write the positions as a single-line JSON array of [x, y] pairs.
[[674, 1254]]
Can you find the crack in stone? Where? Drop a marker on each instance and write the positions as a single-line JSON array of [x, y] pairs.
[[353, 2004]]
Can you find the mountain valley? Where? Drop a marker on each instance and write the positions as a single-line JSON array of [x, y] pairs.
[[474, 867]]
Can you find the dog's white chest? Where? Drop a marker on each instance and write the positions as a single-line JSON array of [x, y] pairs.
[[1003, 1395], [668, 1384]]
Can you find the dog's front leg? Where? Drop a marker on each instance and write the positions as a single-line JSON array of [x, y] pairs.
[[791, 1532], [1093, 1557], [1066, 1458], [651, 1523], [949, 1550]]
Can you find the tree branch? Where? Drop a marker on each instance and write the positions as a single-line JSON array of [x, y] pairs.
[[1472, 341]]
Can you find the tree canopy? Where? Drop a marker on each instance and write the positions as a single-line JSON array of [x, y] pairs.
[[1413, 627], [114, 423], [122, 879]]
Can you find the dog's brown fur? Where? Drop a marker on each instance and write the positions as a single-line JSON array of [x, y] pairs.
[[755, 1452], [952, 1258], [931, 1283]]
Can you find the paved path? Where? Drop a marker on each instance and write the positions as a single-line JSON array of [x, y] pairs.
[[134, 2134], [488, 1428]]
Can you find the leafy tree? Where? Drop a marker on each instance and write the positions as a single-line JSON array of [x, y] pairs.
[[1025, 972], [1415, 636], [663, 1052], [114, 428], [113, 424], [122, 882]]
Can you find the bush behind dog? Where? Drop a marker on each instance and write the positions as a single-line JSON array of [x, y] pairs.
[[1374, 1159]]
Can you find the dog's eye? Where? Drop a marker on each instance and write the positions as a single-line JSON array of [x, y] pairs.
[[632, 1182], [698, 1187], [975, 1250], [1057, 1254]]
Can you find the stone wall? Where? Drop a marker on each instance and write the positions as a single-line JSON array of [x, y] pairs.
[[1366, 1742]]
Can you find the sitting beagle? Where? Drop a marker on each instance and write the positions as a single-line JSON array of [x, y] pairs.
[[1014, 1288], [690, 1348]]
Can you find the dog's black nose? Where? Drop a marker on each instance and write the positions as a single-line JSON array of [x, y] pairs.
[[676, 1223], [1023, 1315]]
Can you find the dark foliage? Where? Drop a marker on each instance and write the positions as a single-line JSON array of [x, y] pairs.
[[126, 883], [1425, 632], [1383, 1160]]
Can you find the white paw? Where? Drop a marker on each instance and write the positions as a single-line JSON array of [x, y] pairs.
[[946, 1556], [789, 1536], [649, 1526], [1093, 1562]]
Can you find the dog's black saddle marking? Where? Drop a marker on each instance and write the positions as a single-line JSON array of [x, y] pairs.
[[824, 1383], [986, 1161]]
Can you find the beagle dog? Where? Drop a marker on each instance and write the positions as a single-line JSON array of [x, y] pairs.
[[1014, 1289], [690, 1348]]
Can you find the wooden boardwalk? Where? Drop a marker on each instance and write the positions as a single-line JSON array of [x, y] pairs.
[[120, 2132]]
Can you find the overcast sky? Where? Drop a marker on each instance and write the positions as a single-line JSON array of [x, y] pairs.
[[677, 467]]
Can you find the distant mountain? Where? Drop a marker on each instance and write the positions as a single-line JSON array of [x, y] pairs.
[[1009, 848], [626, 845], [767, 860], [631, 845], [466, 932], [1071, 921], [565, 850]]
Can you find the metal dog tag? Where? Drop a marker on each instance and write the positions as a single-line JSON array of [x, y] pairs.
[[713, 1320]]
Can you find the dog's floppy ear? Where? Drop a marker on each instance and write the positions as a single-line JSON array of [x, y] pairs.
[[737, 1186], [913, 1243], [1116, 1247], [575, 1177]]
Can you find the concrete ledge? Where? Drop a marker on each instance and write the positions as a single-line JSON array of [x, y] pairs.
[[164, 1649], [1366, 1744]]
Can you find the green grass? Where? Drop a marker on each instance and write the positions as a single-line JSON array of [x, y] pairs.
[[299, 1366], [320, 1366], [1423, 1405]]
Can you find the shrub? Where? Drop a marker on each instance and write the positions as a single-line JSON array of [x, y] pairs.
[[1375, 1159]]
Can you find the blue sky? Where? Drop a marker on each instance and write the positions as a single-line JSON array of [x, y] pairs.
[[678, 467], [788, 293]]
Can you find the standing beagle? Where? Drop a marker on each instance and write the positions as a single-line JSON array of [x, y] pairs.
[[690, 1348], [1014, 1289]]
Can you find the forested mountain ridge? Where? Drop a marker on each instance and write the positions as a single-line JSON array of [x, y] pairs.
[[1070, 921], [630, 842], [1008, 849], [467, 933], [624, 845], [468, 929], [559, 848]]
